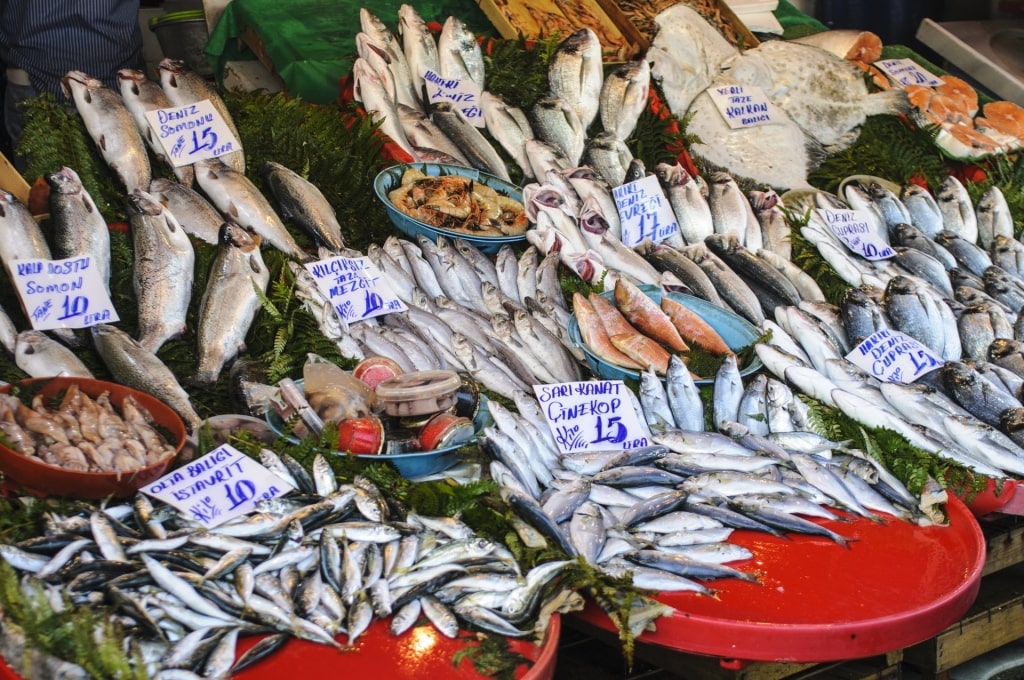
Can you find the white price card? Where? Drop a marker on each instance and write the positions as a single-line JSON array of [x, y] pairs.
[[594, 415], [853, 229], [743, 106], [893, 356], [223, 484], [356, 288], [192, 132], [644, 211], [65, 293], [907, 72], [463, 95]]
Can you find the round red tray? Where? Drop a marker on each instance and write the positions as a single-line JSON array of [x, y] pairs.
[[420, 653], [898, 584]]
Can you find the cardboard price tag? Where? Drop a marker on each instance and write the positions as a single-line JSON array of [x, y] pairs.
[[644, 211], [65, 293], [894, 357], [355, 287], [853, 229], [192, 132], [595, 415], [223, 484], [743, 106], [907, 72], [463, 95]]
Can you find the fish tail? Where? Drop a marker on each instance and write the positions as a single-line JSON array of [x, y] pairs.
[[892, 101]]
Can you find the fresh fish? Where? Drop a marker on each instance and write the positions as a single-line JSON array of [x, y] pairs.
[[78, 227], [1008, 253], [163, 270], [302, 202], [140, 94], [654, 400], [893, 210], [459, 53], [691, 209], [760, 276], [775, 231], [240, 201], [861, 314], [544, 157], [510, 127], [665, 258], [804, 284], [733, 289], [728, 391], [477, 149], [925, 266], [184, 86], [608, 156], [976, 393], [376, 44], [993, 216], [924, 211], [193, 212], [553, 120], [647, 316], [576, 74], [624, 97], [134, 366], [418, 46], [1005, 288], [958, 215], [40, 356], [23, 239], [967, 254], [909, 236], [111, 126], [370, 91], [731, 212], [231, 300]]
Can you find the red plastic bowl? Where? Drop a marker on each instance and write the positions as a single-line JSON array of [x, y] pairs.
[[44, 479]]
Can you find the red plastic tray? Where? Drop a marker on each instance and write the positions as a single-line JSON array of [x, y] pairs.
[[898, 584], [420, 653]]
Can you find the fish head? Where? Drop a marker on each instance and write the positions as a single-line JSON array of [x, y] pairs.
[[130, 81], [78, 83], [144, 203], [170, 70], [64, 181]]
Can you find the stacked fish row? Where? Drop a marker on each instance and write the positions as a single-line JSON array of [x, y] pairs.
[[465, 312], [663, 513], [314, 566]]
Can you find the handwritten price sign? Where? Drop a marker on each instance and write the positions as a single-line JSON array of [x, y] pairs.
[[193, 132], [743, 106], [894, 357], [355, 287], [907, 72], [595, 415], [223, 484], [463, 94], [644, 211], [62, 293], [852, 228]]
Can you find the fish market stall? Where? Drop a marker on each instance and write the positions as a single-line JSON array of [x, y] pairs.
[[576, 225]]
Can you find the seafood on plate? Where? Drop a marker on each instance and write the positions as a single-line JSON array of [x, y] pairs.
[[459, 204]]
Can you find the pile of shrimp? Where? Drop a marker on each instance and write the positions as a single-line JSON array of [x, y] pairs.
[[83, 434], [965, 129], [458, 204]]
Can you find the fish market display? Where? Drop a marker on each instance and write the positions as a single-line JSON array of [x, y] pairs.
[[458, 204], [319, 567], [84, 434], [140, 95]]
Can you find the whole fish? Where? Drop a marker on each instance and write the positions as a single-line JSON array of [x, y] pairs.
[[424, 135], [608, 156], [1005, 288], [302, 202], [140, 95], [775, 231], [624, 97], [733, 289], [231, 300], [460, 55], [418, 45], [576, 73], [23, 239], [684, 397], [133, 365], [239, 200], [510, 127], [731, 212], [370, 91], [193, 212], [924, 211], [805, 284], [968, 255], [909, 236], [554, 121], [958, 214], [977, 394], [184, 86], [111, 127], [925, 266], [78, 227], [691, 209], [162, 273], [544, 157], [993, 216], [375, 42], [1008, 253], [758, 274], [8, 332], [480, 153], [40, 356], [893, 210], [665, 258]]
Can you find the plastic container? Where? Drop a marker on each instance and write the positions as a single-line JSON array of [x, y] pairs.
[[45, 479], [444, 430], [361, 435], [375, 370], [183, 35], [419, 393]]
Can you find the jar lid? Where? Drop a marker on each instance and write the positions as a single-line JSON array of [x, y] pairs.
[[418, 385]]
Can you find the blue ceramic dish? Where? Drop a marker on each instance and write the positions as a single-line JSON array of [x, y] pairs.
[[391, 178], [736, 331], [415, 464]]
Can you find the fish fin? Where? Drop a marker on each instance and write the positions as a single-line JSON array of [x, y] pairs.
[[232, 208], [102, 142], [892, 101]]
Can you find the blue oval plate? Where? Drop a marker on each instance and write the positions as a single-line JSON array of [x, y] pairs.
[[391, 178], [737, 332]]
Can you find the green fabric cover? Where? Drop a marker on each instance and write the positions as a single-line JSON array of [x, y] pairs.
[[311, 43]]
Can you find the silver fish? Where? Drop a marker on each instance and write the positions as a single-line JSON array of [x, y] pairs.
[[731, 212], [423, 134], [480, 153], [553, 120], [370, 91], [40, 356], [193, 212], [23, 239], [163, 270], [911, 237], [460, 55], [140, 94], [576, 73], [510, 127], [733, 289], [303, 203], [418, 45], [958, 215], [624, 97], [230, 301], [924, 211], [609, 156], [78, 227], [688, 203], [993, 216]]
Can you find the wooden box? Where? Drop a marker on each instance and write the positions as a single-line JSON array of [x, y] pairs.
[[625, 29]]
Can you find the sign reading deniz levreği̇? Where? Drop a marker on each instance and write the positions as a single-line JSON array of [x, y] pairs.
[[907, 72], [462, 94], [595, 415], [644, 211], [852, 227], [223, 484], [355, 287], [65, 293], [743, 106], [192, 132], [894, 357]]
